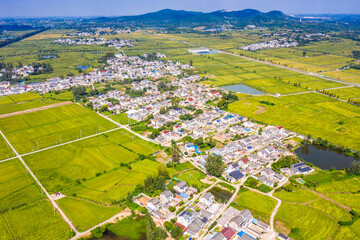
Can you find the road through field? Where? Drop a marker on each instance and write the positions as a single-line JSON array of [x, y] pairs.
[[52, 201], [35, 109], [263, 62]]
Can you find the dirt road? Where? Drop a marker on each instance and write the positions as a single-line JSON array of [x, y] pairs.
[[35, 109]]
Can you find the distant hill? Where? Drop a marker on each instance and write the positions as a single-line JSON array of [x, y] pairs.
[[175, 18]]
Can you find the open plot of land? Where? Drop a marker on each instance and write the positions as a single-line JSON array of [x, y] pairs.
[[123, 119], [35, 221], [129, 228], [85, 214], [309, 113], [193, 178], [46, 128], [258, 204], [312, 223], [59, 168]]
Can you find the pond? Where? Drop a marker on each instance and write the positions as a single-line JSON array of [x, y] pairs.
[[221, 194], [323, 157], [241, 88], [108, 235], [83, 67]]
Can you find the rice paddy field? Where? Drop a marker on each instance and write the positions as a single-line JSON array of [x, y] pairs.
[[20, 102], [84, 214], [60, 168], [309, 113], [41, 129], [34, 221], [259, 204], [312, 223], [303, 204], [5, 150], [21, 202]]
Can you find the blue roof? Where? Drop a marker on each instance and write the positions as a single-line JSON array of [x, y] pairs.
[[249, 147], [184, 195], [236, 174], [296, 165], [242, 233], [305, 169], [246, 129]]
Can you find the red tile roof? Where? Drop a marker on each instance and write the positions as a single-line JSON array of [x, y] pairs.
[[228, 232]]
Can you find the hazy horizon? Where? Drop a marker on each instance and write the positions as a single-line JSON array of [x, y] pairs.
[[88, 8]]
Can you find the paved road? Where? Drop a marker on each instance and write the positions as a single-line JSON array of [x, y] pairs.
[[66, 219], [76, 140], [264, 62], [129, 129]]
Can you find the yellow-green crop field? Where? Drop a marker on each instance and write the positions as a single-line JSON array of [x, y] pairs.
[[52, 126], [25, 214]]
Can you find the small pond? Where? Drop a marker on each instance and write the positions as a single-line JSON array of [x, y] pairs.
[[83, 67], [108, 235], [323, 157], [220, 194], [241, 88]]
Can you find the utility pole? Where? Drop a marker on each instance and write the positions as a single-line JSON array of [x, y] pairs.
[[38, 144]]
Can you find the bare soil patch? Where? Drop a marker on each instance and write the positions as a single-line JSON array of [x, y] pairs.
[[35, 109], [260, 110]]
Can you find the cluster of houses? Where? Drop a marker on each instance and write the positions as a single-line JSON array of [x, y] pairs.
[[20, 72], [193, 215], [239, 225], [297, 169], [249, 154], [120, 67], [117, 43], [278, 43], [97, 31]]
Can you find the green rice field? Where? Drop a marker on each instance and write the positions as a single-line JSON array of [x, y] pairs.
[[41, 129]]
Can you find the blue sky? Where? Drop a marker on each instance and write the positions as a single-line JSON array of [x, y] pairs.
[[133, 7]]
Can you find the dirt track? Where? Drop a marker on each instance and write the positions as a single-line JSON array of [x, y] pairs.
[[35, 109]]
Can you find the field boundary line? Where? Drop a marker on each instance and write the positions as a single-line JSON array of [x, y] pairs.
[[35, 109], [52, 201], [76, 140], [264, 62]]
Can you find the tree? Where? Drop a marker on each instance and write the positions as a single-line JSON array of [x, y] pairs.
[[354, 168], [78, 92], [356, 54], [175, 153], [215, 165], [104, 108], [176, 232], [190, 62], [304, 53]]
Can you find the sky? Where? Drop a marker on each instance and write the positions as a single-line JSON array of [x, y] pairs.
[[45, 8]]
